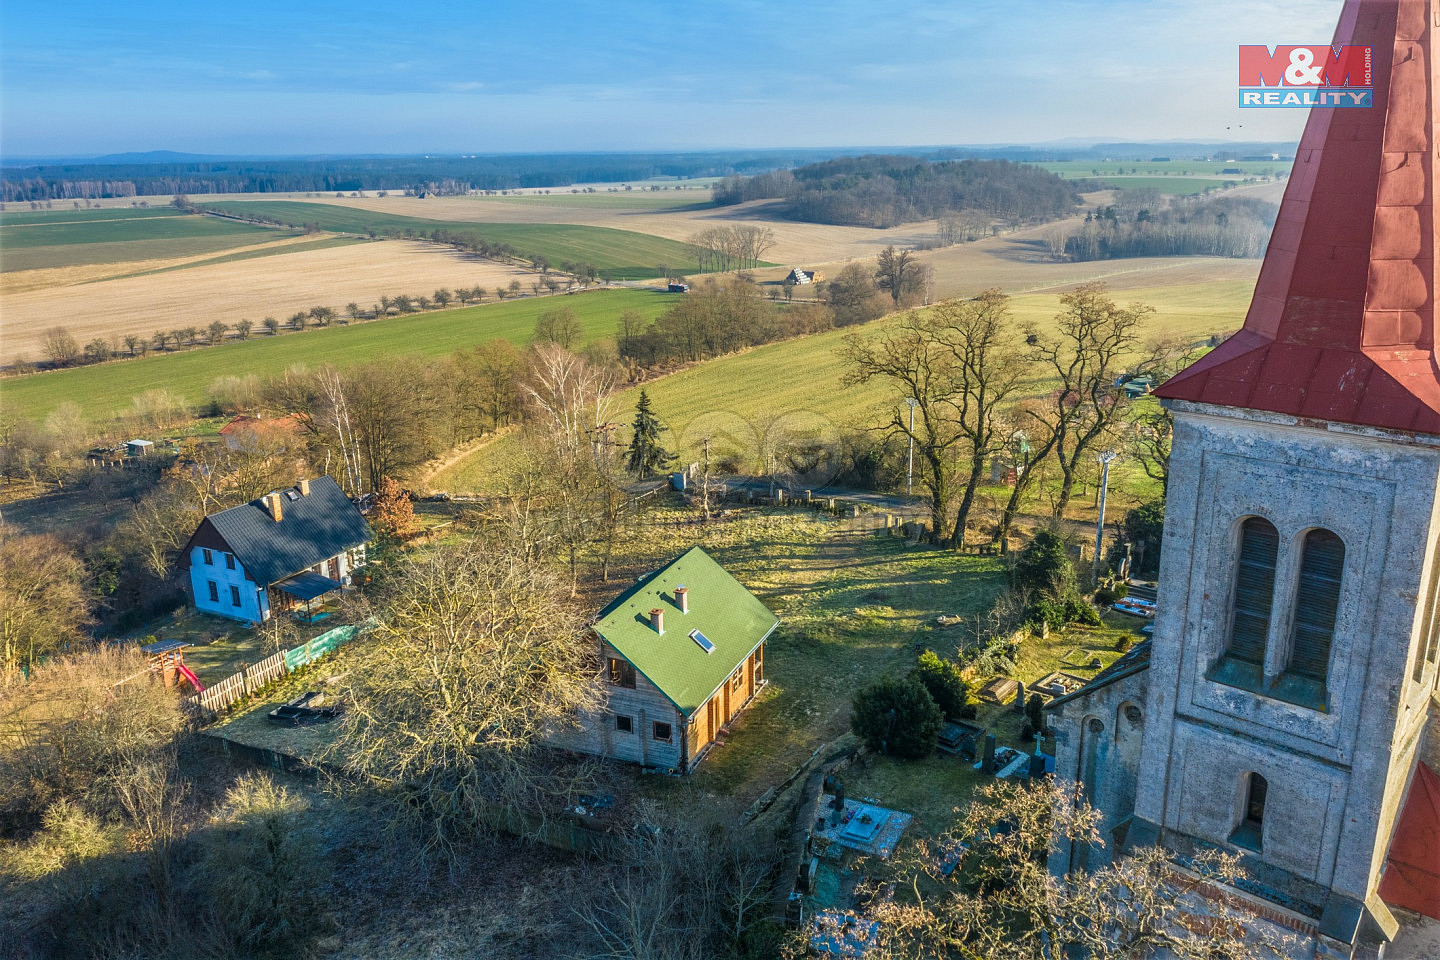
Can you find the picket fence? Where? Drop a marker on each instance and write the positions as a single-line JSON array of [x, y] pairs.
[[220, 696]]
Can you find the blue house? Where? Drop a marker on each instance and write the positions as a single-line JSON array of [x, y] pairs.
[[272, 554]]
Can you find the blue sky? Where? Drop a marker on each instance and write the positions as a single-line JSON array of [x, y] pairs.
[[82, 78]]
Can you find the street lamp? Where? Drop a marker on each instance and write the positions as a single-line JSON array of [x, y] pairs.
[[910, 458], [1105, 459]]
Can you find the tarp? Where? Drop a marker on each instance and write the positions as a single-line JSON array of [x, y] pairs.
[[1412, 870], [321, 645], [308, 585]]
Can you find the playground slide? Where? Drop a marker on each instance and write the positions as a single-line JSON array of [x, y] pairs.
[[189, 674]]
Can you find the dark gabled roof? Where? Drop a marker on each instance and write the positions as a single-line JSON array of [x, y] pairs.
[[313, 528], [721, 609], [1137, 659]]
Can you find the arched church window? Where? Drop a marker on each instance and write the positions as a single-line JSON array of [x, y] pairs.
[[1251, 828], [1317, 595], [1254, 590]]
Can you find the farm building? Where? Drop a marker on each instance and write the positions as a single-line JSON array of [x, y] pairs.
[[288, 548], [683, 652], [799, 276]]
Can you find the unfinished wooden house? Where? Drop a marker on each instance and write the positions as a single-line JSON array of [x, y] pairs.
[[683, 652]]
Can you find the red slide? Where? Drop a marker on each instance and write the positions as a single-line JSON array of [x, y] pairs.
[[189, 674]]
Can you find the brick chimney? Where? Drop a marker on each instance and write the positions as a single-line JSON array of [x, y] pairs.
[[657, 620], [273, 502], [304, 486], [682, 598]]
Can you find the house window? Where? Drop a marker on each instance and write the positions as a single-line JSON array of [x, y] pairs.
[[229, 561], [1250, 830], [1316, 597], [624, 724], [622, 673], [737, 680], [209, 557], [214, 591], [1254, 590], [234, 596], [660, 731]]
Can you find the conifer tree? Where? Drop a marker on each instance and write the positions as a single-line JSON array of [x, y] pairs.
[[646, 455]]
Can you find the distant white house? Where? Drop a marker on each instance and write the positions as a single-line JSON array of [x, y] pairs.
[[799, 276], [287, 548]]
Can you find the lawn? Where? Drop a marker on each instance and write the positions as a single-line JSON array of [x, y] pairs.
[[618, 254], [53, 242], [105, 389], [795, 385]]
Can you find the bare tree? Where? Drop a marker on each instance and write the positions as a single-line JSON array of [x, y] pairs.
[[1095, 339], [44, 604], [475, 660], [1008, 906], [899, 273], [61, 347]]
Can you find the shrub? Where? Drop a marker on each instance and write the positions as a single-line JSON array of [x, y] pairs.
[[1043, 566], [897, 717], [942, 680], [1078, 611], [1125, 643]]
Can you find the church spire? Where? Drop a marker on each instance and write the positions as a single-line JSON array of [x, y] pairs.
[[1342, 323]]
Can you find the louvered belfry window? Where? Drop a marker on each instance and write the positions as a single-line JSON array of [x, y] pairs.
[[1254, 590], [1316, 598]]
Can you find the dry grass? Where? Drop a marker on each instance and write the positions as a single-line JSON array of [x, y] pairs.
[[267, 286]]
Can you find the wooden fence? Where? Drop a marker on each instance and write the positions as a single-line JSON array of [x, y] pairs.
[[257, 676]]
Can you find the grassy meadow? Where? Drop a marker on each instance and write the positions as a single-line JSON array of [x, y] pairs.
[[739, 399], [105, 389], [618, 254], [67, 238]]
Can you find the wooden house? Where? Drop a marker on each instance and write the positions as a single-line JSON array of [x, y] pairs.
[[287, 548], [682, 653]]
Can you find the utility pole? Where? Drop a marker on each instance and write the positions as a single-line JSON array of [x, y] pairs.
[[910, 458], [705, 485], [1105, 459]]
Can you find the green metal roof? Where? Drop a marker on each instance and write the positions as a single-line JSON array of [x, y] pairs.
[[720, 608]]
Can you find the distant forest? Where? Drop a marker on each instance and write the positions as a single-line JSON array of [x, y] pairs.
[[883, 191], [1143, 224], [439, 175]]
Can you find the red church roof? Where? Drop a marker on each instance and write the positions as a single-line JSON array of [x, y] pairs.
[[1412, 870], [1342, 323]]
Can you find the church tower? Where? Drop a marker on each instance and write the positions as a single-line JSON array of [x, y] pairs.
[[1291, 687]]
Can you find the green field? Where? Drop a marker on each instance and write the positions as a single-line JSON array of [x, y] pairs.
[[618, 254], [104, 389], [740, 398], [19, 216], [75, 237], [1072, 169], [1181, 186]]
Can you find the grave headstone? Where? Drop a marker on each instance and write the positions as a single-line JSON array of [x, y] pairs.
[[1019, 696], [1037, 765], [988, 765]]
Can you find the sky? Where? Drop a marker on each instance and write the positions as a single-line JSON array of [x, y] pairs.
[[274, 78]]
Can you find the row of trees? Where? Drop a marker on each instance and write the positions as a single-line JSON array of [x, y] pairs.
[[1222, 227], [965, 365], [734, 248]]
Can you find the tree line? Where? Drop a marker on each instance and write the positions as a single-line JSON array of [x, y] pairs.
[[884, 191], [1148, 226], [966, 366]]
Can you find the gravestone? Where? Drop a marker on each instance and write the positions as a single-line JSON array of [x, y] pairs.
[[988, 765], [1020, 696]]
